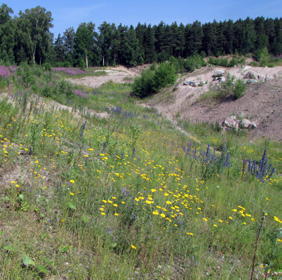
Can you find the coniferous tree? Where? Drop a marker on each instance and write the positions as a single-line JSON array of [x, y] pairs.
[[7, 34]]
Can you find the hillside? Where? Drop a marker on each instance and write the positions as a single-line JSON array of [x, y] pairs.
[[98, 184], [261, 103]]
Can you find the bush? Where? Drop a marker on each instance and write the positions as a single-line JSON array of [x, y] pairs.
[[223, 62], [143, 86], [164, 75], [233, 62], [152, 81], [231, 87], [239, 88]]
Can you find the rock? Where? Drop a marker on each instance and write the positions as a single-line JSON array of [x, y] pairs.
[[218, 73], [190, 83], [253, 76], [245, 123], [230, 124], [253, 125], [249, 75], [250, 81]]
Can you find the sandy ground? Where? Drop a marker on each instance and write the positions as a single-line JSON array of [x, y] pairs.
[[261, 102], [118, 74]]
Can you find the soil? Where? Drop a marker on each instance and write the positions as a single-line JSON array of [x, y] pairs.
[[119, 74], [261, 103]]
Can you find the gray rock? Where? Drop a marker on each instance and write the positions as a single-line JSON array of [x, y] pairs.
[[245, 123], [253, 76], [250, 81], [230, 124], [218, 73], [190, 83], [253, 125]]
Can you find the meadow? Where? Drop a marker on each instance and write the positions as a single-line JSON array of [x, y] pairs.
[[128, 196]]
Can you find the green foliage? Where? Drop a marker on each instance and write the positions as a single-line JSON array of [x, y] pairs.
[[129, 193], [151, 81], [193, 62], [143, 86], [231, 87], [239, 88], [164, 76]]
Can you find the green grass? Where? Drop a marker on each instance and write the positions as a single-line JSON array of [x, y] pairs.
[[121, 200]]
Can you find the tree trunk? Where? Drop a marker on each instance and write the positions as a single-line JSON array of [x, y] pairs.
[[86, 61]]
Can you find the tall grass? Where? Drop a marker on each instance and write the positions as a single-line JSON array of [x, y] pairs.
[[119, 198]]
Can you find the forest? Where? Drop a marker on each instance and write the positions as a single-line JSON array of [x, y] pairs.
[[28, 37]]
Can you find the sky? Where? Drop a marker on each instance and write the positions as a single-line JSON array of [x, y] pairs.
[[70, 13]]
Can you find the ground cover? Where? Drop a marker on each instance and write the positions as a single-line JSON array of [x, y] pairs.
[[129, 196]]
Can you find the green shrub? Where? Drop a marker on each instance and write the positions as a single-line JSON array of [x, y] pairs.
[[164, 75], [143, 86], [239, 88], [233, 62], [152, 81], [223, 62]]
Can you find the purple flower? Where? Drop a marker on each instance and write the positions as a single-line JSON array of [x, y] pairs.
[[69, 71], [80, 93], [109, 231], [4, 72]]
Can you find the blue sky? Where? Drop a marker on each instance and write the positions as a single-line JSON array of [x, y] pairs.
[[70, 13]]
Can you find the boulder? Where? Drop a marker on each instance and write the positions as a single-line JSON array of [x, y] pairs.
[[250, 81], [190, 83], [253, 76], [230, 124], [245, 123], [249, 75], [218, 73]]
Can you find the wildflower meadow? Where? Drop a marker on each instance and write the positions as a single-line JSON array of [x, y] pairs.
[[128, 196]]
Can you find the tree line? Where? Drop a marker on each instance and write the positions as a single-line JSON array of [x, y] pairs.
[[27, 38]]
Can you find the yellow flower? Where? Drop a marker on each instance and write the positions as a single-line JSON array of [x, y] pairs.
[[72, 181], [133, 247], [156, 212], [116, 214], [17, 186], [277, 220], [190, 233], [71, 193], [205, 219], [230, 218], [103, 213], [220, 221], [13, 182], [215, 225]]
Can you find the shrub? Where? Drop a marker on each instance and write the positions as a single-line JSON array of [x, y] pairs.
[[152, 81], [239, 88], [233, 62], [143, 86], [223, 62], [164, 75]]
